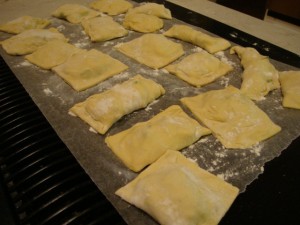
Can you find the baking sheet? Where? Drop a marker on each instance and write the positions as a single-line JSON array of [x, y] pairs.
[[54, 98]]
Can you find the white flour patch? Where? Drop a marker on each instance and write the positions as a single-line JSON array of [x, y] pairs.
[[149, 107], [61, 28], [83, 42], [221, 56], [72, 114], [92, 130], [227, 175], [224, 81], [48, 92], [24, 64], [256, 149], [197, 49]]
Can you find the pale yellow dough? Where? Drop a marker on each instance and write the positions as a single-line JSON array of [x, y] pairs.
[[111, 7], [153, 50], [23, 23], [74, 13], [103, 28], [52, 54], [290, 87], [196, 37], [259, 76], [153, 9], [145, 142], [199, 68], [176, 191], [143, 23], [88, 68], [102, 110], [232, 117], [30, 40]]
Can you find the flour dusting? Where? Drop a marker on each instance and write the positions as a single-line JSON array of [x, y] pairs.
[[47, 91]]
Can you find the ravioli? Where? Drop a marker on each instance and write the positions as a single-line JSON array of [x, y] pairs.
[[199, 69], [196, 37], [52, 54], [88, 68], [259, 76], [290, 87], [232, 117], [23, 23], [143, 23], [103, 29], [102, 110], [153, 9], [111, 7], [176, 191], [30, 40], [74, 13], [153, 50], [145, 142]]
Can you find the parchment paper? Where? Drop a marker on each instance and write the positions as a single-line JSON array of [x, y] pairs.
[[54, 98]]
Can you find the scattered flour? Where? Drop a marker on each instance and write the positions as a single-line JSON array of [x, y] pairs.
[[149, 107], [93, 130], [72, 114], [24, 63], [221, 55], [83, 42], [61, 28], [256, 149], [224, 81], [47, 91]]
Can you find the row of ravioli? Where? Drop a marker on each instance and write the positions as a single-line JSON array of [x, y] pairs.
[[171, 180]]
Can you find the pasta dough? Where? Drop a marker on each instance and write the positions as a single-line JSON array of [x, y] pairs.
[[52, 54], [74, 13], [103, 28], [232, 117], [102, 110], [23, 23], [259, 76], [142, 22], [88, 68], [153, 9], [111, 7], [188, 34], [145, 142], [30, 40], [199, 68], [153, 50], [175, 191], [290, 87]]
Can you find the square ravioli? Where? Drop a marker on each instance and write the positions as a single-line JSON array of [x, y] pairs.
[[111, 7], [153, 9], [52, 54], [145, 142], [176, 191], [102, 110], [23, 23], [232, 117], [199, 68], [88, 68], [290, 87], [153, 50], [74, 13], [103, 28], [30, 40]]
